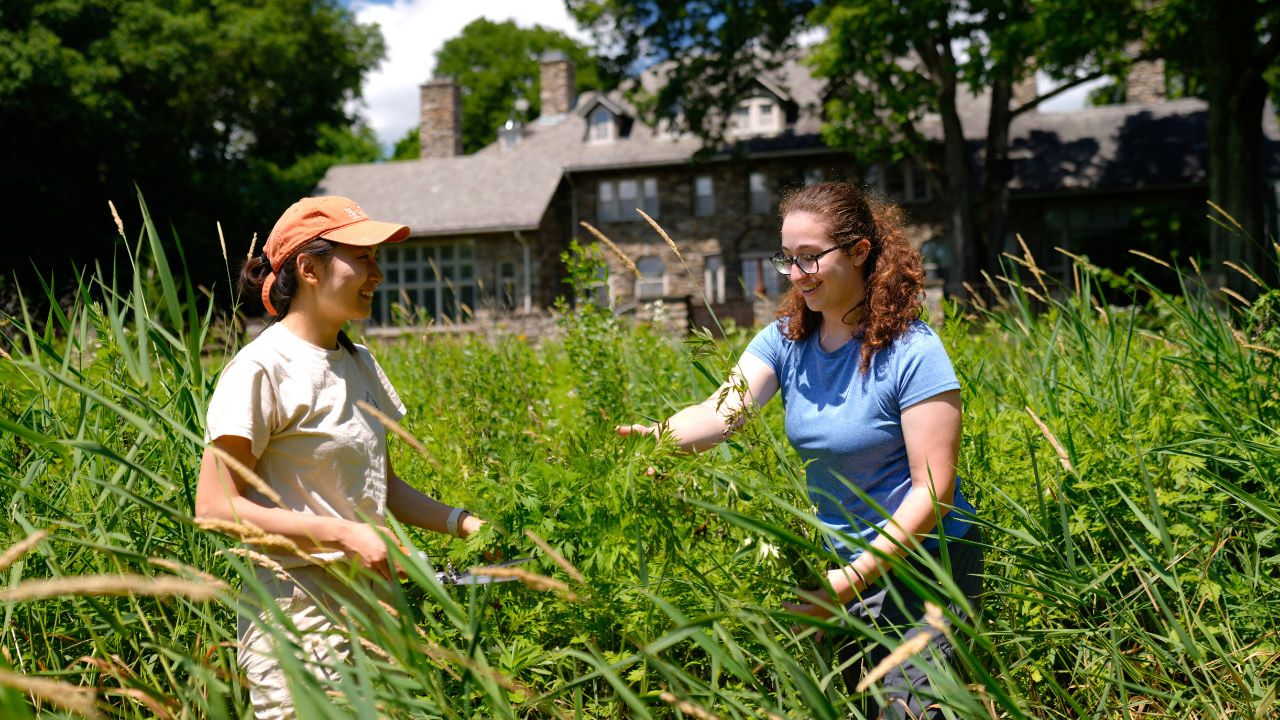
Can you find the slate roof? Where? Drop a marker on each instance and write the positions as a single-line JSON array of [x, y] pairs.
[[497, 189]]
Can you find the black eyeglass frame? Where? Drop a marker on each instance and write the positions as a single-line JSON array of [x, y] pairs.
[[782, 263]]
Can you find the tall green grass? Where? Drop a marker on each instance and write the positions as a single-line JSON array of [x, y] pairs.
[[1123, 460]]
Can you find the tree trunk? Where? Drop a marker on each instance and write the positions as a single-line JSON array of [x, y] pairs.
[[965, 263], [996, 172], [1236, 92]]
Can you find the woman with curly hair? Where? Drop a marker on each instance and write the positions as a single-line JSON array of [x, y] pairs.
[[872, 407]]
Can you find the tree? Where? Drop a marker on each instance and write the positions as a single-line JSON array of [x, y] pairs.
[[217, 110], [495, 64], [891, 64], [1226, 49]]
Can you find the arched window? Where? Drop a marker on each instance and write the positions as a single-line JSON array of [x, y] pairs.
[[601, 125], [652, 282]]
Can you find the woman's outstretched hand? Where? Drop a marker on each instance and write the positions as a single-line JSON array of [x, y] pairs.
[[636, 429]]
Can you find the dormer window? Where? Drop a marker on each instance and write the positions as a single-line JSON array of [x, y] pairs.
[[601, 125], [756, 116]]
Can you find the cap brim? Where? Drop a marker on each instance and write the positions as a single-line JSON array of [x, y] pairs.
[[368, 232]]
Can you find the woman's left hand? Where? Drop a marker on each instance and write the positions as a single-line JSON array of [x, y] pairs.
[[820, 603]]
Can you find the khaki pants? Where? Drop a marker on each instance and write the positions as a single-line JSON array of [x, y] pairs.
[[312, 597]]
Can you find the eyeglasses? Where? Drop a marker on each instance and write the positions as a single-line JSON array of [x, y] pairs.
[[808, 263]]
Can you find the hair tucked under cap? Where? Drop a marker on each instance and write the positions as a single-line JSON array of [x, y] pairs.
[[332, 217]]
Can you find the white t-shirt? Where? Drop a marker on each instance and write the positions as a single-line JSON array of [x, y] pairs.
[[296, 403]]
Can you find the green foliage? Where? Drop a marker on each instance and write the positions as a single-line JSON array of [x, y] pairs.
[[1122, 460], [495, 64], [222, 110]]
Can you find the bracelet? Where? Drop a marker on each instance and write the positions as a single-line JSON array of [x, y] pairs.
[[454, 516]]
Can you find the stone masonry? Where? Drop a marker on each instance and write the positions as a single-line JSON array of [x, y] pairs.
[[440, 129], [556, 92]]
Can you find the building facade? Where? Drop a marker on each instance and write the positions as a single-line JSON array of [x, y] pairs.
[[489, 228]]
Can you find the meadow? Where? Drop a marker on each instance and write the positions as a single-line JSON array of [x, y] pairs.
[[1123, 458]]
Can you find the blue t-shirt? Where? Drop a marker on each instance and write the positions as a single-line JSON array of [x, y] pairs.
[[848, 424]]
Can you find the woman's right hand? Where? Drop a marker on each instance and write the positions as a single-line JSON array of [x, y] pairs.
[[368, 545], [636, 429]]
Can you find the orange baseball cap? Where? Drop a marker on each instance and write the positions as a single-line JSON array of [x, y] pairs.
[[331, 217]]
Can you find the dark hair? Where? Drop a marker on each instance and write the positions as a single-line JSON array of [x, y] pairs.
[[256, 269], [893, 272]]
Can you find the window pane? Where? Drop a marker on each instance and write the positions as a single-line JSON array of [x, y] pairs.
[[393, 276], [411, 275], [411, 255], [446, 252], [768, 115], [703, 186], [391, 255], [628, 190], [606, 191], [757, 182], [650, 188]]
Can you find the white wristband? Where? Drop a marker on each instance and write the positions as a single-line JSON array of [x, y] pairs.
[[452, 523]]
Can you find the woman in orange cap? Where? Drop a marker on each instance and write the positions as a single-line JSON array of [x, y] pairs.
[[289, 407]]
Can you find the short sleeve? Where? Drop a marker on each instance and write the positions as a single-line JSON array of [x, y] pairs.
[[389, 395], [243, 405], [767, 345], [924, 369]]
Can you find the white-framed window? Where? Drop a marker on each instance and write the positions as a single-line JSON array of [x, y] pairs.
[[508, 296], [757, 115], [601, 126], [759, 276], [652, 282], [424, 280], [904, 183], [713, 278], [704, 196], [618, 199], [761, 199]]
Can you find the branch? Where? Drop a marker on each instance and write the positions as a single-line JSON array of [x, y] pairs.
[[1032, 104]]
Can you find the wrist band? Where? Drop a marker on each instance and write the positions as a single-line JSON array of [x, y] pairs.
[[452, 523]]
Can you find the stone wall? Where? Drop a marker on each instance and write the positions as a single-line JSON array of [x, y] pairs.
[[440, 121], [730, 231]]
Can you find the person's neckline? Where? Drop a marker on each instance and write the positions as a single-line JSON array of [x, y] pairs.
[[303, 344]]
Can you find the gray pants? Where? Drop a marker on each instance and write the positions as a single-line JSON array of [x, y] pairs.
[[906, 690]]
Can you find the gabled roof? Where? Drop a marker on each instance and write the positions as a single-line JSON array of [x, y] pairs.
[[484, 192]]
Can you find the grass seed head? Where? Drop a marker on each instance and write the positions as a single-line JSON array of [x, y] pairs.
[[21, 548], [604, 239], [100, 585], [77, 699], [116, 216]]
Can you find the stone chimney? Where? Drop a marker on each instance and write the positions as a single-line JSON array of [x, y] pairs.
[[1145, 82], [556, 95], [440, 125], [1024, 91]]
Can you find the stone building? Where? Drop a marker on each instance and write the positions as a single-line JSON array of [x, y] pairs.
[[489, 228]]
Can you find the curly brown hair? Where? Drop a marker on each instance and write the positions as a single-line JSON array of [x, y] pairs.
[[893, 271]]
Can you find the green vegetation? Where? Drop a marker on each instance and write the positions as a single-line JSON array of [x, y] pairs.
[[1123, 460], [219, 110]]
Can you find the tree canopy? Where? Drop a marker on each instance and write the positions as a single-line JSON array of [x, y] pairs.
[[892, 63], [496, 64], [216, 110]]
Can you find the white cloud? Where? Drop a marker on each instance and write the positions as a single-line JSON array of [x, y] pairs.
[[414, 30]]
